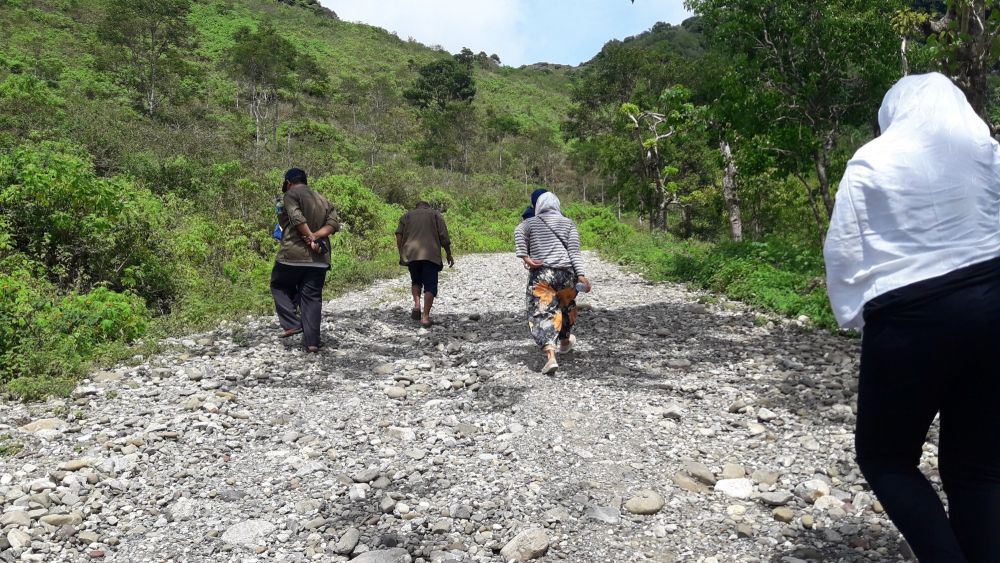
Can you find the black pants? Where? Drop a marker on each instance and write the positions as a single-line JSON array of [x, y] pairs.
[[919, 359], [299, 289]]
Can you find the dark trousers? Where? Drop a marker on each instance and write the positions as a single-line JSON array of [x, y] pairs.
[[299, 290], [919, 360], [424, 273]]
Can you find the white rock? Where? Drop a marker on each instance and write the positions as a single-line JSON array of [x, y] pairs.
[[249, 533], [735, 488], [812, 490], [528, 545]]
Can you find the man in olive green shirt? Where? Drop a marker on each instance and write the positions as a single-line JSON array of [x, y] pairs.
[[307, 220], [421, 235]]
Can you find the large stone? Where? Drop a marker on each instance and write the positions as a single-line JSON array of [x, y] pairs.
[[15, 517], [348, 541], [778, 498], [45, 424], [812, 490], [249, 533], [395, 392], [18, 538], [735, 488], [57, 520], [766, 477], [700, 471], [183, 509], [733, 471], [828, 502], [75, 464], [783, 514], [606, 514], [645, 502], [528, 545], [395, 555], [402, 434], [685, 482]]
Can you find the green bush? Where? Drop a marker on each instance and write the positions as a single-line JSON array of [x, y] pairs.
[[370, 222], [774, 275], [85, 230], [46, 337]]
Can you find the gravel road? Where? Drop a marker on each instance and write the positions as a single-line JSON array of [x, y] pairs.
[[684, 428]]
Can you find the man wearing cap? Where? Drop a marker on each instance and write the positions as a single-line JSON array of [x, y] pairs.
[[307, 220], [421, 235]]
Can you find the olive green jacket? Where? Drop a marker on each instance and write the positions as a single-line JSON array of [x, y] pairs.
[[303, 205]]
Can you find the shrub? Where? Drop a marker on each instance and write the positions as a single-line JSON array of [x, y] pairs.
[[370, 221], [85, 230]]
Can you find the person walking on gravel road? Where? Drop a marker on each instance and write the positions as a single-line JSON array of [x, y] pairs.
[[913, 258], [307, 220], [421, 235], [549, 245]]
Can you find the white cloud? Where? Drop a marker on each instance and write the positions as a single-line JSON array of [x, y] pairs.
[[481, 25]]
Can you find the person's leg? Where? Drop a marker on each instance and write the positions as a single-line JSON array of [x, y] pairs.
[[312, 305], [544, 317], [567, 305], [284, 290], [970, 430], [897, 402], [416, 288], [429, 277]]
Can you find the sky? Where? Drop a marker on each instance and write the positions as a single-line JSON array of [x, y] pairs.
[[519, 31]]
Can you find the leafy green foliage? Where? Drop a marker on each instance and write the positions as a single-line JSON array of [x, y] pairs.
[[145, 38], [85, 230], [771, 276], [440, 84]]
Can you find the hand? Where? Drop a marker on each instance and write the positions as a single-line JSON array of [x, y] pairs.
[[532, 264], [314, 246], [584, 281], [451, 261]]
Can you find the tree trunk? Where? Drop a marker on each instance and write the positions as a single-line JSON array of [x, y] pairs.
[[729, 192], [822, 173]]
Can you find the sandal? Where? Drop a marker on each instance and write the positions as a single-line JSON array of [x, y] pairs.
[[312, 349], [415, 314], [567, 349], [290, 332], [426, 324]]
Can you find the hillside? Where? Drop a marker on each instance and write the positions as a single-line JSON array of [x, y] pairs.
[[163, 188]]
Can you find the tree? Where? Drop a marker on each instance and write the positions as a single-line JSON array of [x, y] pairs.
[[148, 36], [263, 62], [654, 131], [500, 128], [443, 93], [812, 71], [964, 41], [441, 83]]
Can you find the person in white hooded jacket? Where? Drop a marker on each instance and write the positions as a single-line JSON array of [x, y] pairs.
[[913, 259]]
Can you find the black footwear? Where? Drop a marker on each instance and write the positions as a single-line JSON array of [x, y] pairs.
[[415, 314]]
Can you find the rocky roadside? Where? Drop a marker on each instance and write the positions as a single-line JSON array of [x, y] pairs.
[[682, 429]]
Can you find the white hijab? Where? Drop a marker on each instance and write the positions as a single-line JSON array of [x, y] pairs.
[[548, 203], [918, 202]]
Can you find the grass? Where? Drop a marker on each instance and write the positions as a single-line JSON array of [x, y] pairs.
[[772, 276], [8, 447]]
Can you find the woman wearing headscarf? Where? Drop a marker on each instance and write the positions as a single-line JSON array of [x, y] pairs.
[[549, 245], [912, 258]]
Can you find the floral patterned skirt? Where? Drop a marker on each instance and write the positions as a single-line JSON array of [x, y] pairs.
[[551, 305]]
